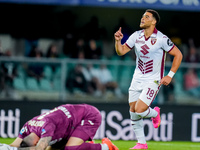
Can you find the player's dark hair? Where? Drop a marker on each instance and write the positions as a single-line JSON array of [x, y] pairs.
[[23, 144], [155, 15]]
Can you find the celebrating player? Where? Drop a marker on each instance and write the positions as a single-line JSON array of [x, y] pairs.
[[150, 47], [65, 127]]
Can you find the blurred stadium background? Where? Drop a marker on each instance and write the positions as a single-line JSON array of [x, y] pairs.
[[46, 45]]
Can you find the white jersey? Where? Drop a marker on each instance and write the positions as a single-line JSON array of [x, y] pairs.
[[150, 54]]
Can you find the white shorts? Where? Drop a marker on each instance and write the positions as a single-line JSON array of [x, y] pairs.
[[145, 91]]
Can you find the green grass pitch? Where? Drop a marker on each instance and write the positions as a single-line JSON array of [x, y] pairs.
[[125, 145]]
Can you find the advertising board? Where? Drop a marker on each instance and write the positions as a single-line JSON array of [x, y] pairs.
[[179, 123]]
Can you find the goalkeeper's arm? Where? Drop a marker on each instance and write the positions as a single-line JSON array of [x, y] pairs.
[[41, 145]]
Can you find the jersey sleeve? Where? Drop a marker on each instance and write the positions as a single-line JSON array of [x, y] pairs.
[[48, 130], [167, 44], [24, 132], [131, 40]]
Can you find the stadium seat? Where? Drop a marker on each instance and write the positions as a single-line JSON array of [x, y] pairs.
[[57, 84], [48, 73], [32, 84], [125, 78], [179, 76], [128, 58], [114, 69], [21, 72], [115, 58], [178, 88], [57, 73], [45, 85], [19, 84]]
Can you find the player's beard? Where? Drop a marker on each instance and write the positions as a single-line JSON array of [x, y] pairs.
[[143, 27]]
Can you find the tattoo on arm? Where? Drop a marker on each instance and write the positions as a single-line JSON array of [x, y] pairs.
[[41, 145]]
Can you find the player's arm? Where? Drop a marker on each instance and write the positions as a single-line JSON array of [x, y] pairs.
[[177, 58], [16, 142], [120, 49], [175, 65], [41, 145]]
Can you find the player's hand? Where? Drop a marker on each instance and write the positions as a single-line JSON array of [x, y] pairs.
[[165, 80], [118, 35]]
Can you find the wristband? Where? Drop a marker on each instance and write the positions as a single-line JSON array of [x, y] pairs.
[[171, 74]]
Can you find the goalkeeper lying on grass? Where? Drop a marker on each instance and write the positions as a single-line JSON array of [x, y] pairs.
[[66, 127]]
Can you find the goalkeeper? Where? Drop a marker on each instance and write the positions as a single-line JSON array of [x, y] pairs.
[[66, 127]]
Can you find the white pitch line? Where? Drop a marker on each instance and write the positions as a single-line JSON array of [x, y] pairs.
[[180, 145]]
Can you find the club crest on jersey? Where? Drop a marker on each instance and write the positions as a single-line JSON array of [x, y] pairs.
[[153, 41]]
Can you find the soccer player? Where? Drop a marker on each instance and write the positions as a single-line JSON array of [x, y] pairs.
[[150, 47], [65, 127]]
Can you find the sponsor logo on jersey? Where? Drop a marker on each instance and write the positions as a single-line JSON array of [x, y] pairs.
[[153, 41], [144, 56], [24, 129], [140, 41], [144, 49], [43, 131]]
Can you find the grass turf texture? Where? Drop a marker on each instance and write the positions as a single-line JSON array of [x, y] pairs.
[[125, 145]]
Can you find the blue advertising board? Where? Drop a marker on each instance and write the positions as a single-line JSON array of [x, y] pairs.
[[186, 5], [48, 2], [178, 5]]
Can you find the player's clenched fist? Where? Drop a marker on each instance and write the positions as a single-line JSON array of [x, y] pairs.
[[118, 35]]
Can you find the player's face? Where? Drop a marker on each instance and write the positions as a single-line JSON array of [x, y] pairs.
[[147, 20]]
